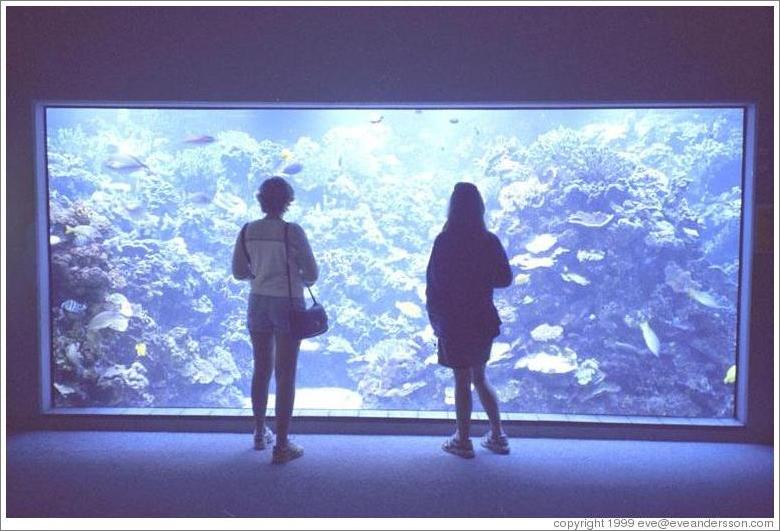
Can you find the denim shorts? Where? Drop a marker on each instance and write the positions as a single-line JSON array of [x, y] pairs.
[[270, 314]]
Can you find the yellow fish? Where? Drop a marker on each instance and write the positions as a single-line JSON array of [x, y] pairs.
[[287, 154], [140, 349], [731, 375]]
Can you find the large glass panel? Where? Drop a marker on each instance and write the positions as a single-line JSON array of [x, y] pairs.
[[622, 227]]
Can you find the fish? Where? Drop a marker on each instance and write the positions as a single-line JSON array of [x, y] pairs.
[[433, 359], [108, 319], [409, 309], [82, 234], [286, 154], [292, 169], [693, 233], [124, 163], [199, 140], [454, 120], [704, 298], [231, 203], [528, 299], [121, 303], [651, 339], [418, 111], [54, 239], [376, 118], [731, 375], [140, 349], [73, 307], [199, 199], [590, 219]]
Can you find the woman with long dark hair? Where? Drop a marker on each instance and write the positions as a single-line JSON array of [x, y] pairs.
[[466, 264], [268, 250]]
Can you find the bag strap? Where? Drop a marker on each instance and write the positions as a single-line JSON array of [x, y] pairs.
[[287, 263]]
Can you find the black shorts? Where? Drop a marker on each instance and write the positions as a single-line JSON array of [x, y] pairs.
[[464, 354]]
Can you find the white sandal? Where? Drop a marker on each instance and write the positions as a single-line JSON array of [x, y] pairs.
[[459, 447]]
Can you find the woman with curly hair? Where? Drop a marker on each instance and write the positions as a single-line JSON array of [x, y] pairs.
[[266, 251]]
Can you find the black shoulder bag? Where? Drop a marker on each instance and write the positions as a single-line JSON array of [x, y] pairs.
[[308, 322]]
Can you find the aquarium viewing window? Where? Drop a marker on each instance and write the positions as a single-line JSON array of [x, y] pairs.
[[627, 228]]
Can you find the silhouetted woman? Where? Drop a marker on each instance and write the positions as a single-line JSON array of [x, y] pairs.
[[268, 315], [466, 263]]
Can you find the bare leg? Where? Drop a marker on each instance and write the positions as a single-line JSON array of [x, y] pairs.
[[487, 395], [463, 402], [262, 344], [286, 363]]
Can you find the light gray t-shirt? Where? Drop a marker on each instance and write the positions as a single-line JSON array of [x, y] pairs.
[[265, 245]]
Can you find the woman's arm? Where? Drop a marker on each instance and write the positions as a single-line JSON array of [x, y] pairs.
[[434, 304], [241, 270], [307, 265], [501, 273]]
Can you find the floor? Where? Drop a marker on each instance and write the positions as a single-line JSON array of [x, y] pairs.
[[110, 474]]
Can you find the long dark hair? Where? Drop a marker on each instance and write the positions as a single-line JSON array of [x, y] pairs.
[[467, 211]]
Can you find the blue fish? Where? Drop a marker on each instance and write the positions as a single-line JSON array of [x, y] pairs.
[[73, 307], [293, 168], [199, 139]]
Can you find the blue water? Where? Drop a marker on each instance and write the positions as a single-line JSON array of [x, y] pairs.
[[621, 225]]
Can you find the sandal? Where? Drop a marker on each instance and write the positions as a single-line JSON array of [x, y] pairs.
[[285, 453], [459, 447], [267, 438], [497, 445]]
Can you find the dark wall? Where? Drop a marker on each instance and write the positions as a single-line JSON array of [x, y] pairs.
[[375, 55]]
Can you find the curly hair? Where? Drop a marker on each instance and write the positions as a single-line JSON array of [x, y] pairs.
[[275, 196]]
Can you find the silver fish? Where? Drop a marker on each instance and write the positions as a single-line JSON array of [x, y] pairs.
[[108, 319], [122, 163], [651, 339]]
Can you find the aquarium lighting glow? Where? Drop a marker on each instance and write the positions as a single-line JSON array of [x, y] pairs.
[[623, 226]]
